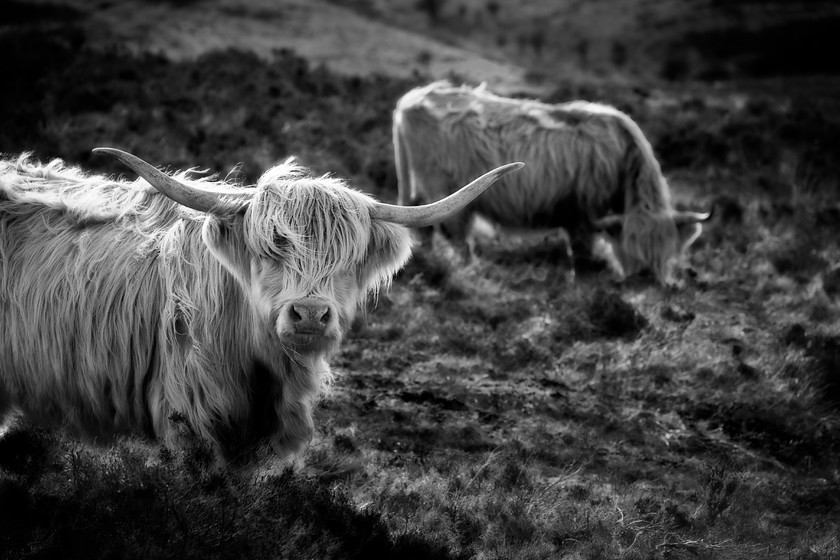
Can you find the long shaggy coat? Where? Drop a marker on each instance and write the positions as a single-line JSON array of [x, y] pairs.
[[584, 161], [119, 307]]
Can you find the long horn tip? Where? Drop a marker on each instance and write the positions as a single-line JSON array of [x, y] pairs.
[[507, 168], [131, 161], [504, 170], [125, 157]]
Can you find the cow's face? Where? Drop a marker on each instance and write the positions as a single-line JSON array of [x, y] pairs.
[[306, 251], [654, 242], [307, 254]]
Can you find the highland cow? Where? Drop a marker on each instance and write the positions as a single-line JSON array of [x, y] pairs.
[[127, 302], [589, 170]]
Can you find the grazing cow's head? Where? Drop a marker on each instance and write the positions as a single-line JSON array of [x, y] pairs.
[[306, 251], [638, 240]]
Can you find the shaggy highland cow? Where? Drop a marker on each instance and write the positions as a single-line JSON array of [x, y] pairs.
[[589, 168], [124, 303]]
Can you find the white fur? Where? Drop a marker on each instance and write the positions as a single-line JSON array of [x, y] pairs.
[[120, 307]]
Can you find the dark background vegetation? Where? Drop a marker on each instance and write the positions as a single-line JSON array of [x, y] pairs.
[[498, 410]]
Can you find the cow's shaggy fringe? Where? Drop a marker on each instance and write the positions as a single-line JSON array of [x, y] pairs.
[[583, 161], [120, 307]]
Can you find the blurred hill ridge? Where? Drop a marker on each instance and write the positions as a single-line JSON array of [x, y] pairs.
[[513, 45]]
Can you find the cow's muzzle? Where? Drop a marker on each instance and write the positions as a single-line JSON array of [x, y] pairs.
[[309, 316], [309, 325]]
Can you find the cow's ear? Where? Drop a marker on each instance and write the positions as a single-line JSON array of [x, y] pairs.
[[388, 250], [224, 237]]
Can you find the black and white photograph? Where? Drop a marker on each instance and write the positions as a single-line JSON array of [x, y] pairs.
[[420, 279]]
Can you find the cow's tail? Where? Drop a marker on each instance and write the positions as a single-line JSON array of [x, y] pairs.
[[405, 188]]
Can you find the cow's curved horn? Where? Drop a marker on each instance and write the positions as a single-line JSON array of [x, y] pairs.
[[213, 201], [608, 221], [686, 217], [436, 212]]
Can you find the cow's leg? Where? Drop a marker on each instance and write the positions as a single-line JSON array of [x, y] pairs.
[[294, 404], [297, 431], [540, 235], [457, 231], [480, 231], [605, 248], [564, 237], [423, 235]]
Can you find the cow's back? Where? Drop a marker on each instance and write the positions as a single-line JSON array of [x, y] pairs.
[[572, 154], [77, 278]]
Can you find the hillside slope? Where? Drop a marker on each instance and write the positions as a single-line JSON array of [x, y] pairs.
[[338, 37], [648, 39]]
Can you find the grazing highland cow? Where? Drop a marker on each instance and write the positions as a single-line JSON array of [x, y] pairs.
[[122, 305], [589, 168]]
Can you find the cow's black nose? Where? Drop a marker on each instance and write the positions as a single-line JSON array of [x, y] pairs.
[[310, 316]]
